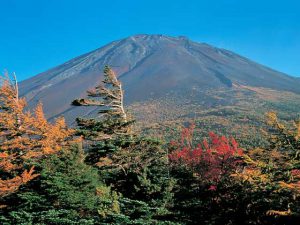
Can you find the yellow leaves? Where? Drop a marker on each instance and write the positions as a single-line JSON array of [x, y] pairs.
[[252, 175], [257, 154], [278, 213], [272, 120], [298, 131], [111, 204], [275, 168], [102, 191], [250, 161], [263, 158], [271, 117], [285, 185]]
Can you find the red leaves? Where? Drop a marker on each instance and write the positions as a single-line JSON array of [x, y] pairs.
[[210, 160], [212, 188], [295, 173]]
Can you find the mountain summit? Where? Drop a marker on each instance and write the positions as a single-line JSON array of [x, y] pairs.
[[150, 67]]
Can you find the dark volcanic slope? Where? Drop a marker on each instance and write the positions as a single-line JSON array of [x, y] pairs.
[[149, 66]]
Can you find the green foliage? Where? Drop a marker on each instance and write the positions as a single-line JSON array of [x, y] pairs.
[[66, 192], [133, 166], [121, 177], [92, 129], [51, 217], [139, 171], [139, 212], [110, 131]]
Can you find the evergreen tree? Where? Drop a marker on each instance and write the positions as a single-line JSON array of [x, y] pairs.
[[134, 166], [109, 97], [67, 192], [140, 173], [111, 129]]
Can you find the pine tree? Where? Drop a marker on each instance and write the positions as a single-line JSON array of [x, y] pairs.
[[111, 129], [109, 97], [132, 165]]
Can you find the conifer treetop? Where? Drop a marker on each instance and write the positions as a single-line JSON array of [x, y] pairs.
[[108, 94]]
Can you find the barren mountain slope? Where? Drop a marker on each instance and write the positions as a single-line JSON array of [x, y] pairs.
[[155, 67]]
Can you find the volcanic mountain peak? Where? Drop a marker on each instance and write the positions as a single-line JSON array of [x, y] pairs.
[[151, 66]]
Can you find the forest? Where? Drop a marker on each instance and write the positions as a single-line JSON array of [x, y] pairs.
[[105, 171]]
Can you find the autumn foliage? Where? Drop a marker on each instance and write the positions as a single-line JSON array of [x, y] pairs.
[[276, 168], [24, 137], [209, 160], [118, 176]]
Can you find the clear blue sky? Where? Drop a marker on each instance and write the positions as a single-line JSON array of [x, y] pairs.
[[39, 34]]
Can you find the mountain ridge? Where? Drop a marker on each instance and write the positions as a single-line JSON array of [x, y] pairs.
[[150, 66]]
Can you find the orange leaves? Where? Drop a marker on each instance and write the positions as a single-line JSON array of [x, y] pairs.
[[47, 138], [24, 136], [291, 186], [11, 185], [28, 175], [39, 120], [9, 99], [3, 155]]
